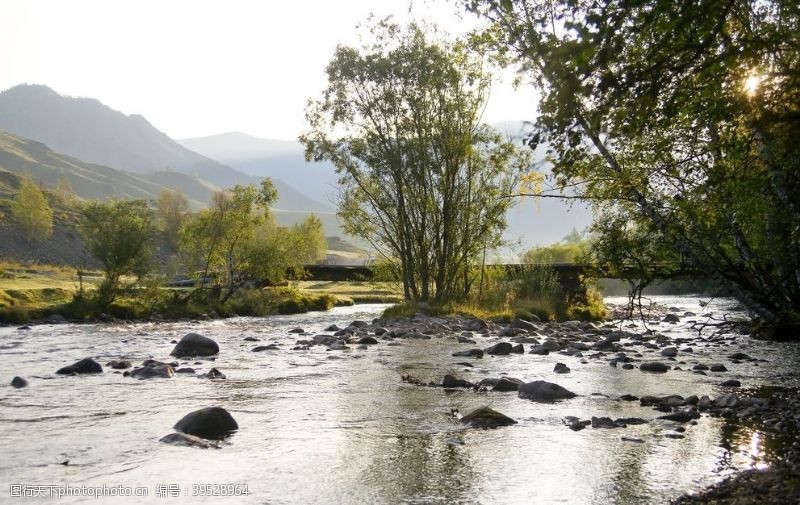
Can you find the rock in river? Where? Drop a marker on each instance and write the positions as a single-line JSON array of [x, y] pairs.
[[211, 423], [161, 371], [507, 384], [194, 344], [19, 382], [118, 364], [261, 348], [478, 353], [681, 416], [485, 417], [543, 391], [450, 381], [561, 368], [500, 349], [669, 352], [86, 365], [654, 367], [603, 422]]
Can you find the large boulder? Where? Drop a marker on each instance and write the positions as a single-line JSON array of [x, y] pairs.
[[543, 391], [84, 366], [194, 344], [211, 423], [485, 417]]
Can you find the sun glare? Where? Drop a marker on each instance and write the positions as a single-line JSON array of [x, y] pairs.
[[752, 83]]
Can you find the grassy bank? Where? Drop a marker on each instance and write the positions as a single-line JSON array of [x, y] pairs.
[[357, 292], [37, 292], [545, 309]]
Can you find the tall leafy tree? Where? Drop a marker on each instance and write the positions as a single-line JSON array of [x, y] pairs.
[[64, 191], [31, 212], [216, 240], [120, 235], [172, 208], [421, 178], [680, 121]]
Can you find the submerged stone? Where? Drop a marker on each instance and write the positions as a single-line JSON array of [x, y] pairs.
[[84, 366]]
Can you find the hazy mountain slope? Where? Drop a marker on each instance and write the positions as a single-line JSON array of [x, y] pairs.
[[89, 130], [23, 156], [278, 159]]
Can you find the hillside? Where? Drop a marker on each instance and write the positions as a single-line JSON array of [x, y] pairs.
[[23, 156], [279, 159], [93, 132]]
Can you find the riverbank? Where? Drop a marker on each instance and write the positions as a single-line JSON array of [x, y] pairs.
[[38, 294]]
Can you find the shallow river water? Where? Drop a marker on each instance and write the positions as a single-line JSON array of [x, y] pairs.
[[332, 427]]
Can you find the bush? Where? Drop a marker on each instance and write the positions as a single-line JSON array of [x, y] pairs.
[[14, 315]]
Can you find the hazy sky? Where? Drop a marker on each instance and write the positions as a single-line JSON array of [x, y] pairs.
[[198, 68]]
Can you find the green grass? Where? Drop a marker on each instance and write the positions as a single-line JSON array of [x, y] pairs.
[[356, 292], [546, 308], [37, 291]]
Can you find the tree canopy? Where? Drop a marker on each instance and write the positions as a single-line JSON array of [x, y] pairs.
[[679, 120], [120, 235], [31, 212], [420, 178]]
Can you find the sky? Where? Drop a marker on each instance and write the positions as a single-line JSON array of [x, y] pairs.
[[195, 68]]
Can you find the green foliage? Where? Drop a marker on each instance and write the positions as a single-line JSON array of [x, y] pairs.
[[592, 310], [216, 240], [569, 252], [273, 251], [172, 208], [119, 234], [64, 192], [31, 213], [421, 180], [14, 315], [533, 291], [679, 120]]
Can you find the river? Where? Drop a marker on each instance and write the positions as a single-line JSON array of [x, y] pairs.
[[331, 427]]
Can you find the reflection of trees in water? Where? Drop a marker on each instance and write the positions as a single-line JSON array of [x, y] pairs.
[[424, 468], [406, 452]]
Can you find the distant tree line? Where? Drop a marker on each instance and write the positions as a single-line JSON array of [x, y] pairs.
[[232, 243]]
